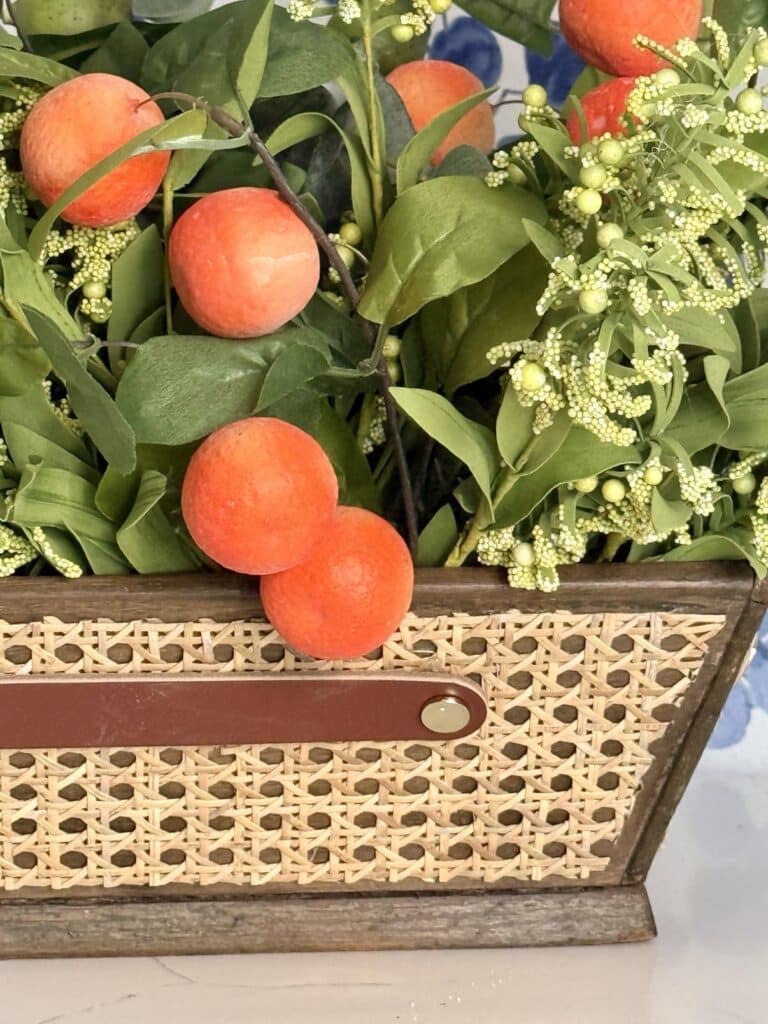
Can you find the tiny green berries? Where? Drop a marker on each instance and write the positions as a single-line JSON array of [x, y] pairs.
[[653, 476], [100, 316], [667, 78], [750, 101], [593, 301], [614, 491], [351, 233], [346, 255], [607, 234], [611, 152], [402, 33], [590, 202], [761, 53], [586, 485], [394, 370], [94, 290], [745, 484], [391, 347], [593, 177], [524, 555], [533, 377], [440, 6], [535, 96]]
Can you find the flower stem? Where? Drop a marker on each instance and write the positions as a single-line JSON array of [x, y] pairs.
[[167, 226], [484, 518], [374, 119]]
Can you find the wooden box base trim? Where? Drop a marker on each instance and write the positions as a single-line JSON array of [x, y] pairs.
[[310, 924]]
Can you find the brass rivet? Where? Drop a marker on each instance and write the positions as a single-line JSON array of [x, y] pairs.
[[445, 715]]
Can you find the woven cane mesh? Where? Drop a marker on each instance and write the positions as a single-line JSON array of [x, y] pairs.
[[542, 793]]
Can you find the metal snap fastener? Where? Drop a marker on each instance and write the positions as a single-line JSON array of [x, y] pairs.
[[445, 715]]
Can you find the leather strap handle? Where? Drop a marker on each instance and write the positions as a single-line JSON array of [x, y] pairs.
[[192, 710]]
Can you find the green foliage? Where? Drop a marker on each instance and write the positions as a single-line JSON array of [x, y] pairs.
[[527, 21]]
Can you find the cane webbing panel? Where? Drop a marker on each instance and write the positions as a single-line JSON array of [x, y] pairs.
[[576, 703]]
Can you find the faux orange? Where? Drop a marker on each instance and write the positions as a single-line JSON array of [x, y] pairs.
[[604, 109], [242, 262], [428, 87], [603, 31], [349, 595], [258, 495], [75, 126]]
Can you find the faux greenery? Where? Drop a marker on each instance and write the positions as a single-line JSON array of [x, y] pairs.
[[554, 357]]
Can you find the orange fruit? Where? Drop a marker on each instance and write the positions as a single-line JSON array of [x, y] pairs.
[[349, 595], [75, 126], [604, 110], [258, 495], [603, 31], [242, 262], [428, 87]]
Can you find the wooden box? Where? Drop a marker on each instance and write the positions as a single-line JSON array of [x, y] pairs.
[[173, 780]]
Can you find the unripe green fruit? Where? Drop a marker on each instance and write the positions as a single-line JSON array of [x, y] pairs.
[[750, 101], [590, 202], [667, 78], [611, 152], [593, 177], [761, 53], [99, 318], [653, 476], [94, 290], [535, 96], [391, 347], [533, 377], [593, 301], [394, 370], [64, 18], [524, 555], [346, 255], [402, 33], [745, 484], [440, 6], [351, 233], [517, 175], [586, 485], [614, 491], [607, 234]]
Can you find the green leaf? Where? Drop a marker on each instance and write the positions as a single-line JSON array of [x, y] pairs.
[[137, 284], [95, 409], [459, 331], [122, 53], [473, 444], [703, 417], [22, 361], [418, 151], [27, 446], [580, 455], [437, 539], [167, 388], [700, 329], [341, 331], [733, 545], [247, 55], [297, 129], [170, 10], [303, 55], [68, 17], [668, 515], [294, 366], [34, 411], [548, 244], [15, 64], [738, 16], [146, 538], [463, 160], [526, 21], [398, 128], [436, 239], [57, 498]]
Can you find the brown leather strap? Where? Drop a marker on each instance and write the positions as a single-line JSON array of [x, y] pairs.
[[124, 711]]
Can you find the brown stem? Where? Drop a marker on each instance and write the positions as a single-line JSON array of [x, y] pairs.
[[236, 129]]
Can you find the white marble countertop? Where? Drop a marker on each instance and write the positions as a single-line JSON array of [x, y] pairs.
[[709, 966]]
